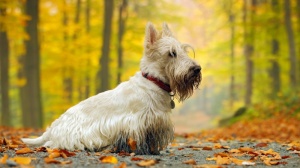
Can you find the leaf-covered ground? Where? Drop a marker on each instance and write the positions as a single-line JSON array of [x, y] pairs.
[[257, 143]]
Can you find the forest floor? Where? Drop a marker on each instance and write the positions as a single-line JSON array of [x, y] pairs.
[[258, 143]]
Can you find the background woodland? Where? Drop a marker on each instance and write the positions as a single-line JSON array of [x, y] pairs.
[[55, 53]]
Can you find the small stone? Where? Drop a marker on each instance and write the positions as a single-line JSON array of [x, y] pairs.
[[11, 163]]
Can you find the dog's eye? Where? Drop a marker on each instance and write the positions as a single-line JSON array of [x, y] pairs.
[[173, 54]]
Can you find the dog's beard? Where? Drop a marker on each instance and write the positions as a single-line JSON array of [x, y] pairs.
[[184, 85]]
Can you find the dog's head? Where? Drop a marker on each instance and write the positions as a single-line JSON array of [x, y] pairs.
[[166, 59]]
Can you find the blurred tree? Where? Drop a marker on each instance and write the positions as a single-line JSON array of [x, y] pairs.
[[231, 19], [31, 96], [67, 70], [249, 33], [4, 67], [274, 70], [103, 72], [291, 44], [298, 19], [87, 79], [121, 30]]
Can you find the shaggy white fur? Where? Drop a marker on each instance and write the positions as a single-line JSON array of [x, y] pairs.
[[137, 109]]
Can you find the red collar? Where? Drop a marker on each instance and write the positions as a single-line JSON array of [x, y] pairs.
[[158, 82]]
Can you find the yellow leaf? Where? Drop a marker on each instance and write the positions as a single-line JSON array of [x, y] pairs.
[[21, 160], [24, 151], [145, 163], [109, 159], [3, 159], [223, 160]]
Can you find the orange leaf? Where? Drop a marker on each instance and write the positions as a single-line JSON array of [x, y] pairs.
[[211, 158], [67, 153], [132, 144], [234, 151], [109, 159], [12, 146], [145, 163], [190, 162], [66, 162], [223, 160], [24, 151], [207, 166], [261, 145], [136, 159], [207, 148], [3, 159], [51, 160], [21, 160], [241, 162], [41, 149], [123, 165], [246, 149], [54, 154]]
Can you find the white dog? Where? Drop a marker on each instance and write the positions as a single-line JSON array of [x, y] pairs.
[[138, 109]]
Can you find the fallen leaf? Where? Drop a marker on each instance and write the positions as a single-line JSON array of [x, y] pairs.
[[3, 159], [109, 159], [190, 162], [242, 162], [219, 146], [123, 153], [17, 142], [21, 160], [66, 162], [41, 149], [223, 160], [285, 157], [51, 160], [54, 154], [234, 151], [67, 153], [24, 151], [145, 163], [136, 159], [222, 154], [207, 166], [207, 148], [123, 165], [132, 144], [261, 145], [13, 146], [211, 158], [246, 149]]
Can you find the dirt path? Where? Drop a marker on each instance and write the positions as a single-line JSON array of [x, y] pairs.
[[184, 153]]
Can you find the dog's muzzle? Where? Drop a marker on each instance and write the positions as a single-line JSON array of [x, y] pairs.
[[196, 69]]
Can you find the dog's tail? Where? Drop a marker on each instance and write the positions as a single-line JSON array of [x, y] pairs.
[[36, 141]]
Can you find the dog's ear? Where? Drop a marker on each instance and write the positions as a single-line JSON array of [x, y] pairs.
[[166, 31], [151, 34]]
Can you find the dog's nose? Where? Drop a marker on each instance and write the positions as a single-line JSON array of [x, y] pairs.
[[196, 69]]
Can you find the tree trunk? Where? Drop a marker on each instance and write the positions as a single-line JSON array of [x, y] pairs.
[[249, 48], [103, 73], [31, 61], [298, 44], [87, 29], [275, 68], [232, 53], [291, 43], [122, 20], [4, 68], [67, 72]]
